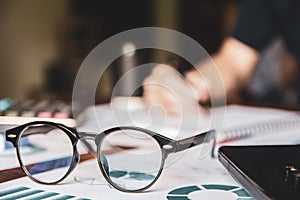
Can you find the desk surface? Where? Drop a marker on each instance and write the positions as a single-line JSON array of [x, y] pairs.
[[185, 175]]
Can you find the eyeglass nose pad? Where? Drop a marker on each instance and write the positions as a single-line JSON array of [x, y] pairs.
[[75, 161], [104, 164], [77, 157]]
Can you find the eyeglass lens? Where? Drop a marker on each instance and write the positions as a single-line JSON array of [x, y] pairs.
[[131, 159], [57, 152]]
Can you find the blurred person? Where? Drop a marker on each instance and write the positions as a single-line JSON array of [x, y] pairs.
[[259, 22]]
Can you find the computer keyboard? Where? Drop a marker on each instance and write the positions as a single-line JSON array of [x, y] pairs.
[[20, 112]]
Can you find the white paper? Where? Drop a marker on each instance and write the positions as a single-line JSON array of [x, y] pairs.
[[183, 170]]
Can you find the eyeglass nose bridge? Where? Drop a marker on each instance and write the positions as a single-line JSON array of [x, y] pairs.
[[83, 136], [87, 135]]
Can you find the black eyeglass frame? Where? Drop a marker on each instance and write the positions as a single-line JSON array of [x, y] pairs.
[[167, 146]]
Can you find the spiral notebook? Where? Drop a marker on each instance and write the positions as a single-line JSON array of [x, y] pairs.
[[257, 122]]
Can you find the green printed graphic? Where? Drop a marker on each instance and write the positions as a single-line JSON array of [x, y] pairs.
[[33, 194], [216, 190]]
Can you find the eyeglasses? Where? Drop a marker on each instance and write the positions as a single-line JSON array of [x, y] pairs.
[[130, 158]]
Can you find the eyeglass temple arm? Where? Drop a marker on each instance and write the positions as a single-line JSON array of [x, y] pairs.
[[189, 142]]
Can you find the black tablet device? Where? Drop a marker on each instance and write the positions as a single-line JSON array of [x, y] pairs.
[[266, 172]]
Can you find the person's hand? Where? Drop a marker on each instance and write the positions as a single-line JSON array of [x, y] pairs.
[[166, 88], [199, 85]]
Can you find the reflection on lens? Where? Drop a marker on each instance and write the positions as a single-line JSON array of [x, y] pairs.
[[48, 153], [131, 159]]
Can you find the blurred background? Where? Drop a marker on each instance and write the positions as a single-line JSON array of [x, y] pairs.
[[43, 43]]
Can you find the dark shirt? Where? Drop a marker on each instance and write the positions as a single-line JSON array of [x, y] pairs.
[[259, 21]]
